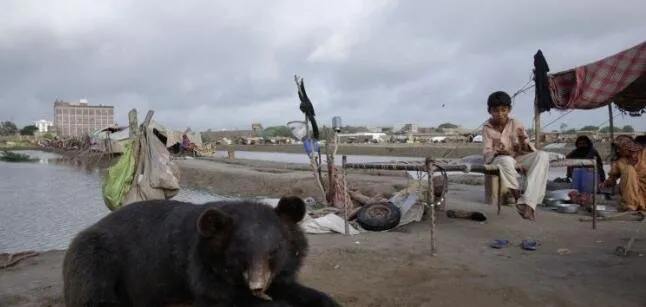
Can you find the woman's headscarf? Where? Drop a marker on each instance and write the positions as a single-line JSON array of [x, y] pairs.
[[627, 144], [587, 151], [583, 152]]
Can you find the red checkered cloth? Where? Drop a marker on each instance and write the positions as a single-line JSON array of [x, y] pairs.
[[594, 85]]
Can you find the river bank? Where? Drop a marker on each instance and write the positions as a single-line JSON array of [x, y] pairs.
[[254, 178], [573, 266]]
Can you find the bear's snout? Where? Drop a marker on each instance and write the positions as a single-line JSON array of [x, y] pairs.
[[258, 276]]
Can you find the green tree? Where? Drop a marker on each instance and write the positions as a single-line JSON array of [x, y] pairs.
[[277, 131], [447, 126], [563, 127], [570, 131], [605, 129], [28, 130], [589, 128], [628, 129], [8, 128]]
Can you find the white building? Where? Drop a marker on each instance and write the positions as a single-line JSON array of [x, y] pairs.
[[44, 125]]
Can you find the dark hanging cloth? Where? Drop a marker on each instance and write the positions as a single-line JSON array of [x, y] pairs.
[[308, 109], [542, 87]]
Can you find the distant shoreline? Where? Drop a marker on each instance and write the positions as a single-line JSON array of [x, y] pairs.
[[19, 148]]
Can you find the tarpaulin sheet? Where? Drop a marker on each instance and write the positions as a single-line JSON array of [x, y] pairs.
[[619, 78]]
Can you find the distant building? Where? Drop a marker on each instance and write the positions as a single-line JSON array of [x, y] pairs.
[[73, 120], [44, 125], [405, 128], [256, 127]]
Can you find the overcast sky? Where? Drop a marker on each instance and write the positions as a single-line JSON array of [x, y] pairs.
[[224, 64]]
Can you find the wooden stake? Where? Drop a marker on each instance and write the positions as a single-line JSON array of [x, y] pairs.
[[594, 196], [537, 125], [611, 123], [331, 189], [430, 199], [346, 215]]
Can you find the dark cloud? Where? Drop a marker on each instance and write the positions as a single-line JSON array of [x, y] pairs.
[[218, 64]]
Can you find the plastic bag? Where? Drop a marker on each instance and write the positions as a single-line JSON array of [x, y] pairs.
[[118, 179]]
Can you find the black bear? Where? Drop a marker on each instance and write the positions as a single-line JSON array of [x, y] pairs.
[[159, 252]]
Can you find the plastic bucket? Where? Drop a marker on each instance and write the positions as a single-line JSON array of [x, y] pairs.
[[582, 180]]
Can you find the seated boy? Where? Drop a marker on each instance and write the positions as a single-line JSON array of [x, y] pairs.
[[506, 144]]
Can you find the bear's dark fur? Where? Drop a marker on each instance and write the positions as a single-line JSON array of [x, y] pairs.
[[157, 252]]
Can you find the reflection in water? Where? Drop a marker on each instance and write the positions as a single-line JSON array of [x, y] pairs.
[[45, 204]]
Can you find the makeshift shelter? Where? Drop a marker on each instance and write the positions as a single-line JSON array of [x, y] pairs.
[[619, 79]]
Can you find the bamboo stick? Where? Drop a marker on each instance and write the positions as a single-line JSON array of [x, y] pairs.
[[430, 195], [344, 159]]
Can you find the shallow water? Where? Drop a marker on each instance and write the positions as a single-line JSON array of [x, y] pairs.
[[44, 204]]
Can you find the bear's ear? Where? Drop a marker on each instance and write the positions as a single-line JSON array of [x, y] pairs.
[[291, 208], [212, 222]]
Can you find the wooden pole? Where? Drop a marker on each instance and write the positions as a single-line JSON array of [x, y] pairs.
[[331, 190], [594, 195], [430, 195], [133, 136], [537, 125], [611, 123], [344, 159], [109, 145]]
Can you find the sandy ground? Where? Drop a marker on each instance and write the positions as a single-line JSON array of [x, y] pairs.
[[573, 266], [253, 178]]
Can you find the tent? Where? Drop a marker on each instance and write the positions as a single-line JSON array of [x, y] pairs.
[[619, 79]]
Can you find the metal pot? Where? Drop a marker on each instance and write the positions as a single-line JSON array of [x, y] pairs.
[[560, 194], [552, 202], [568, 208]]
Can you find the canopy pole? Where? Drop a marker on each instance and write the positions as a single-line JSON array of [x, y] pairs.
[[611, 122], [537, 124]]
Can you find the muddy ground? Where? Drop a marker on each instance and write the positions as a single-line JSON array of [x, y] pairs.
[[573, 266]]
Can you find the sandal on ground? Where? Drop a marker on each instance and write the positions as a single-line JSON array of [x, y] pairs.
[[499, 243], [529, 245]]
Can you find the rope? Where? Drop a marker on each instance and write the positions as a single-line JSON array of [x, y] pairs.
[[572, 110]]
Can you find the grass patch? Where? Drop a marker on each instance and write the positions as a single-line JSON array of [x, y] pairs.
[[10, 156]]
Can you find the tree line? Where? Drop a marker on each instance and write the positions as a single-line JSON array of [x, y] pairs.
[[8, 128], [590, 128]]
